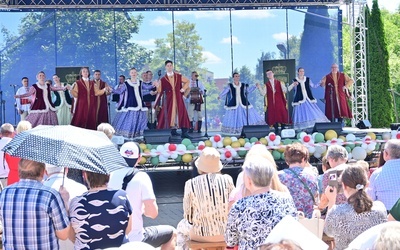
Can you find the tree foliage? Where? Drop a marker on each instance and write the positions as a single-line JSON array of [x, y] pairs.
[[380, 99]]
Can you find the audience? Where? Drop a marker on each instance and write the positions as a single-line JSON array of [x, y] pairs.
[[107, 129], [240, 190], [205, 201], [7, 133], [101, 217], [325, 166], [300, 179], [252, 218], [33, 215], [143, 200], [394, 214], [388, 238], [336, 156], [384, 180], [282, 245], [345, 222], [13, 161]]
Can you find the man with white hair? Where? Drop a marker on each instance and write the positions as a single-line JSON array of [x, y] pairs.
[[7, 133], [383, 183], [57, 177]]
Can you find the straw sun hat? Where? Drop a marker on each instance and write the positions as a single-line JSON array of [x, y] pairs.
[[209, 161]]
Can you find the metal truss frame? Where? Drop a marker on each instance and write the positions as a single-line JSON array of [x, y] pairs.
[[359, 62], [163, 5]]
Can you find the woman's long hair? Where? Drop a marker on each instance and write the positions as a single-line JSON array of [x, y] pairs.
[[355, 177]]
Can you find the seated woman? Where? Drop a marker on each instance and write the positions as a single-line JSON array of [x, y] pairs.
[[240, 191], [345, 222], [300, 178], [100, 218], [205, 201], [252, 218]]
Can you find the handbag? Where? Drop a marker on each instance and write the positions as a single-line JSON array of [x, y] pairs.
[[315, 225]]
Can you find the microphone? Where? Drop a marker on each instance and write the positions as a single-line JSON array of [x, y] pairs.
[[13, 85], [159, 72]]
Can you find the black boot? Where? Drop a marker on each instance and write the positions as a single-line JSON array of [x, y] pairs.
[[199, 123], [185, 133], [276, 126], [174, 133], [191, 128]]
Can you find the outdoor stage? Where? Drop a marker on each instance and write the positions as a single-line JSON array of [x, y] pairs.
[[164, 152]]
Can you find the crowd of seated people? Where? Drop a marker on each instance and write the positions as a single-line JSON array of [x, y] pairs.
[[107, 211]]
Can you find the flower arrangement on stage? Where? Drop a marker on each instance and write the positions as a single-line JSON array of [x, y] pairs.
[[234, 148]]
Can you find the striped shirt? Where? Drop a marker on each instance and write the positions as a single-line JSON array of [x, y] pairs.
[[31, 214], [205, 203]]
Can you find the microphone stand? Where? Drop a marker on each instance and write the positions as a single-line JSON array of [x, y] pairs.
[[205, 113], [15, 105], [247, 104], [2, 107], [331, 96]]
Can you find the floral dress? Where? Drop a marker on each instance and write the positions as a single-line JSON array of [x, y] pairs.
[[301, 196], [252, 218]]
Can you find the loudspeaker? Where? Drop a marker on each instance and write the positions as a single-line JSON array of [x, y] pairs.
[[257, 131], [363, 124], [322, 127], [157, 136], [394, 126]]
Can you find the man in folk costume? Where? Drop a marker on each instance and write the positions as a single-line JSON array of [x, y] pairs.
[[275, 101], [102, 102], [339, 84], [173, 113]]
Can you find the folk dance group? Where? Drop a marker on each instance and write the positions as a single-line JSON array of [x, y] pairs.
[[85, 104]]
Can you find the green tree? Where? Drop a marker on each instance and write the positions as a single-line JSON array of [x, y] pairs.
[[381, 101], [188, 52]]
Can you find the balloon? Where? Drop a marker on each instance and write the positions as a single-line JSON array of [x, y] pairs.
[[160, 148], [149, 146], [172, 147], [319, 137], [242, 142], [330, 134], [311, 150], [253, 139], [191, 147], [174, 155], [276, 155], [142, 146], [317, 155], [234, 138], [386, 136], [398, 135], [179, 158], [186, 158], [242, 153], [217, 138], [234, 153], [201, 147], [181, 149], [263, 141], [236, 144], [359, 153], [306, 138], [208, 143], [222, 157], [154, 161], [348, 149], [247, 145], [227, 141], [257, 142], [166, 146], [220, 144], [163, 159], [228, 154], [301, 135], [272, 136], [287, 142], [142, 161], [186, 142], [271, 143], [372, 135], [201, 143], [350, 137]]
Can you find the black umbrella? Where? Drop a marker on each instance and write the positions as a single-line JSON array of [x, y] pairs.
[[67, 146]]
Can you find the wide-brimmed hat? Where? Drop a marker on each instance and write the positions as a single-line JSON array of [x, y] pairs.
[[131, 151], [209, 161]]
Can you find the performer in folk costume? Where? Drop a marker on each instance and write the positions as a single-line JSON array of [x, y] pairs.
[[42, 108], [149, 91], [194, 102], [23, 104], [102, 102], [305, 109], [172, 113], [275, 100], [339, 85], [85, 113], [235, 105], [62, 102], [131, 118]]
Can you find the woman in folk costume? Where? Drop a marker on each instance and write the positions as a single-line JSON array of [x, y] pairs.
[[131, 118], [305, 109], [42, 109], [235, 105], [62, 103]]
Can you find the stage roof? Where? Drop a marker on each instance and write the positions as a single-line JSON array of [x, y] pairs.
[[163, 5]]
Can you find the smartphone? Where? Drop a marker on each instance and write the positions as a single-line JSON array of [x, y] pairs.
[[333, 181]]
